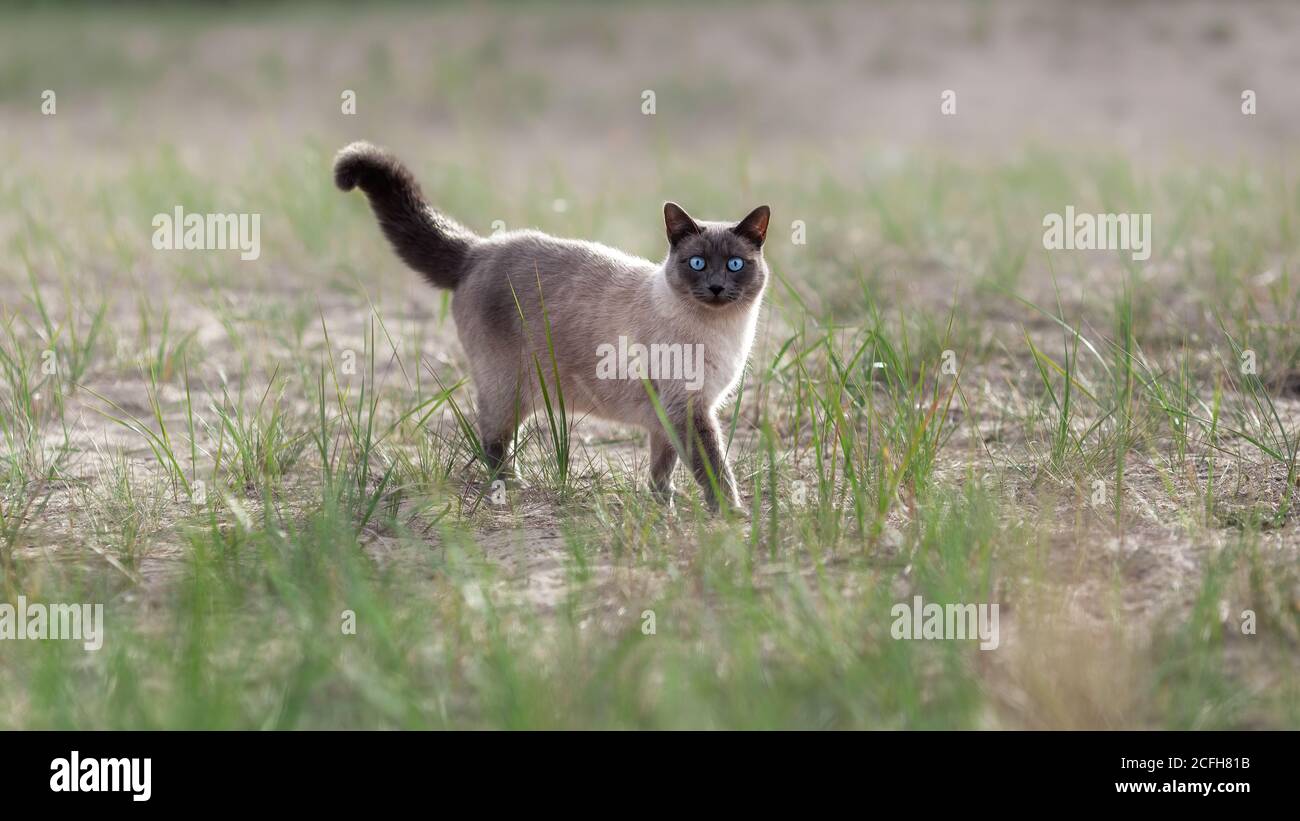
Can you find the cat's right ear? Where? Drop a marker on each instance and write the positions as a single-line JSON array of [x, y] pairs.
[[679, 223]]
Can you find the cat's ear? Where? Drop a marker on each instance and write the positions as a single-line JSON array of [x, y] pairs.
[[754, 226], [678, 223]]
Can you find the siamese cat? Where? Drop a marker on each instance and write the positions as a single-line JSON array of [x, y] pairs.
[[519, 295]]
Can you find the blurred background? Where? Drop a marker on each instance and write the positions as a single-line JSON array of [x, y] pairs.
[[535, 113], [556, 80]]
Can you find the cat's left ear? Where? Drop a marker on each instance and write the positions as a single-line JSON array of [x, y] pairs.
[[678, 223], [754, 226]]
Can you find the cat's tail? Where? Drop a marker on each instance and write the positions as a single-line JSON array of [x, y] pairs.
[[429, 242]]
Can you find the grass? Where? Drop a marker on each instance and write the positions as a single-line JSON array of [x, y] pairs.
[[239, 460]]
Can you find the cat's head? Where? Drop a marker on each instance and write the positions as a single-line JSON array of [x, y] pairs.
[[717, 264]]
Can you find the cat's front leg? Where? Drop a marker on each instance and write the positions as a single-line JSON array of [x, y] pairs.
[[663, 460], [703, 445]]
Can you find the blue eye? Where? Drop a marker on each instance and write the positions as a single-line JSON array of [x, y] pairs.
[[735, 264], [697, 263]]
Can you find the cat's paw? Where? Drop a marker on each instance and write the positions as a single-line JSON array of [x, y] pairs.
[[734, 507], [738, 509], [663, 494]]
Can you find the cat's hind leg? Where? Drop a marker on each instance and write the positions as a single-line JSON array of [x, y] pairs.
[[502, 406]]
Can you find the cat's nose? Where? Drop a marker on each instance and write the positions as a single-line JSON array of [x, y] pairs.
[[716, 289]]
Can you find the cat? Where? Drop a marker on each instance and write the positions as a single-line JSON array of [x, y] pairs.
[[515, 289]]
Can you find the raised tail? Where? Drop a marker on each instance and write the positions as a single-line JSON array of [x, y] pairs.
[[429, 242]]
